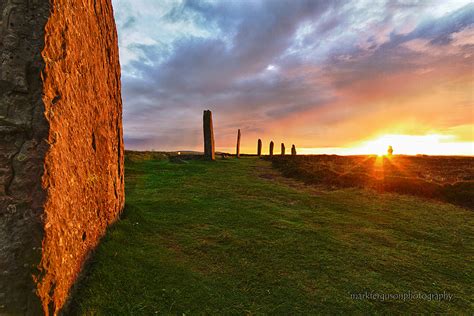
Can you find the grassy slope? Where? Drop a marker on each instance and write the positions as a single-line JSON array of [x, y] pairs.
[[216, 238]]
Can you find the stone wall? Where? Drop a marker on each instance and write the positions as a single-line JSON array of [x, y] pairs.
[[61, 150]]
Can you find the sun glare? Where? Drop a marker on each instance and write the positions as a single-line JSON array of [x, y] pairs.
[[412, 145]]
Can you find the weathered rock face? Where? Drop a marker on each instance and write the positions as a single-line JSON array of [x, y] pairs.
[[23, 146], [209, 148], [237, 151], [61, 150], [259, 147], [272, 145]]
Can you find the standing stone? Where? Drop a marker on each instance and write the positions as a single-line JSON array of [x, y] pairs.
[[271, 148], [259, 148], [237, 152], [293, 150], [282, 149], [390, 151], [209, 149], [61, 148]]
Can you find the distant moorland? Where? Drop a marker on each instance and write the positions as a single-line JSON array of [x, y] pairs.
[[442, 178]]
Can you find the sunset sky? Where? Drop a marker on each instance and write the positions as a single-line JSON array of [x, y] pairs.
[[346, 77]]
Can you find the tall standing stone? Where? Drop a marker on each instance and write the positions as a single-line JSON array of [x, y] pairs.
[[259, 148], [271, 148], [209, 149], [61, 147], [282, 149], [293, 150], [237, 151]]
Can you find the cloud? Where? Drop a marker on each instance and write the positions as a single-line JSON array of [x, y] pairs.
[[464, 37], [262, 64]]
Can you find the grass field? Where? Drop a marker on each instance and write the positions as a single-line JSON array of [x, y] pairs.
[[234, 237]]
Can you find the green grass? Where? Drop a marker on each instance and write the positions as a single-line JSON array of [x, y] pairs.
[[217, 238]]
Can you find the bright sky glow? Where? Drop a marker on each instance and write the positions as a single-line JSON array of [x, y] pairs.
[[412, 145]]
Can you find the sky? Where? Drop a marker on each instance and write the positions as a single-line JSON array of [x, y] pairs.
[[344, 77]]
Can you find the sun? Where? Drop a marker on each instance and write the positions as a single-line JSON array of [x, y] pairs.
[[378, 146], [402, 144]]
